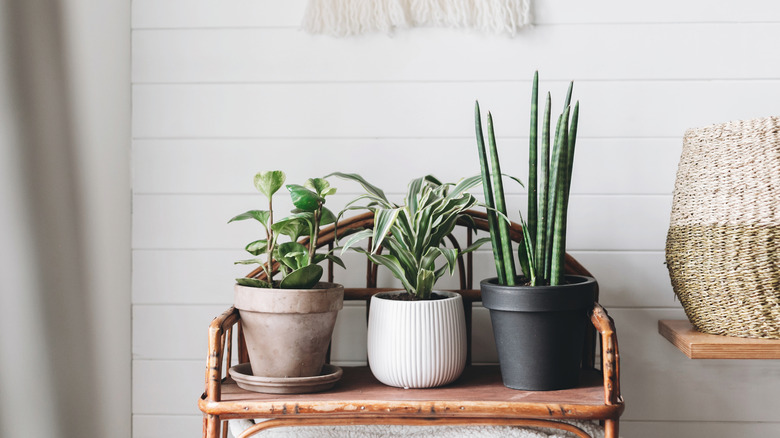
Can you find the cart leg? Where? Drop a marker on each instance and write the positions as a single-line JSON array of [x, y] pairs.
[[211, 426], [611, 429]]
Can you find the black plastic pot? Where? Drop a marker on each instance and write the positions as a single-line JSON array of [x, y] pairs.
[[540, 331]]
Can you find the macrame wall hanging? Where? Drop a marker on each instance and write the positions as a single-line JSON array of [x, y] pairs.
[[353, 17]]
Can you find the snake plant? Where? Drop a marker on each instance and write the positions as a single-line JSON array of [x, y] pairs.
[[542, 250], [298, 263], [414, 233]]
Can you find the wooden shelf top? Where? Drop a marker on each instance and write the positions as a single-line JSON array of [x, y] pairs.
[[697, 345]]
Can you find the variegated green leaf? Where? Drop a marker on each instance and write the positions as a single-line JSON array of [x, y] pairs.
[[292, 254], [425, 281], [464, 185], [405, 257], [257, 247], [319, 185], [391, 263], [383, 223], [304, 198], [355, 238], [249, 262], [368, 187], [292, 226], [413, 195], [270, 182]]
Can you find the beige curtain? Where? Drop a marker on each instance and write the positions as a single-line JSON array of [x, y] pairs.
[[58, 365]]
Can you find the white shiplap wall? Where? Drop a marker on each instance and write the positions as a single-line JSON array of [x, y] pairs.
[[219, 88]]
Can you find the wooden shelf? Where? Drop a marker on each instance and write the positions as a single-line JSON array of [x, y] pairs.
[[697, 345]]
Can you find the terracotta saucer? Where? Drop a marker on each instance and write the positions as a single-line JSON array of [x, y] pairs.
[[242, 374]]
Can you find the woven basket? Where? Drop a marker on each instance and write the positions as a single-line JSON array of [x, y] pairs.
[[723, 245]]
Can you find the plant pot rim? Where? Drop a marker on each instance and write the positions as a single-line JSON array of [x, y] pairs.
[[521, 298], [449, 294], [319, 287], [581, 279], [326, 297]]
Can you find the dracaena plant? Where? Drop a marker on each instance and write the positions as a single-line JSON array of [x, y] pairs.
[[413, 233], [297, 263], [542, 251]]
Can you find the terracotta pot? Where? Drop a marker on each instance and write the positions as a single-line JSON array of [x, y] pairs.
[[288, 331], [416, 344], [540, 331]]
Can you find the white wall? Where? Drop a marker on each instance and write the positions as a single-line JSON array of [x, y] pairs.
[[220, 88]]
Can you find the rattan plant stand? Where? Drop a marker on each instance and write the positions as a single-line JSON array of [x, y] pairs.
[[477, 398]]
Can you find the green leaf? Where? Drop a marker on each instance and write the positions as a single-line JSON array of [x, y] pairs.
[[269, 182], [303, 278], [464, 185], [425, 281], [498, 187], [335, 259], [304, 198], [474, 246], [293, 254], [257, 247], [391, 263], [487, 188], [292, 226], [405, 258], [252, 282], [327, 217], [383, 223], [375, 192], [320, 186], [526, 255], [249, 262], [261, 216], [355, 238]]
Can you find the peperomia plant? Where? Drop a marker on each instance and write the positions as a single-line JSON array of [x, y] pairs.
[[297, 263], [414, 233], [542, 251]]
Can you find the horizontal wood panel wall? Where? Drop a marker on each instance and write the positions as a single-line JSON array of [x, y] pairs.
[[220, 87]]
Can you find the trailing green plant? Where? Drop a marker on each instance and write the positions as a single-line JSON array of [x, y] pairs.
[[543, 248], [414, 233], [297, 263]]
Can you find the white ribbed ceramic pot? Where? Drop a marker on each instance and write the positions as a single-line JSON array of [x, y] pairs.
[[416, 344]]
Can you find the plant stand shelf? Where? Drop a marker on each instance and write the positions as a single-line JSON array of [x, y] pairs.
[[697, 345]]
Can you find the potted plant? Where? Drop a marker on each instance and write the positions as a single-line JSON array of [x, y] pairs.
[[540, 317], [417, 336], [288, 322]]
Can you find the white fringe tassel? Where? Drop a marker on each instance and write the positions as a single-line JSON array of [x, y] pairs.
[[353, 17]]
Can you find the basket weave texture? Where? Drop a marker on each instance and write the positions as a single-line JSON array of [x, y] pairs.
[[723, 245]]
